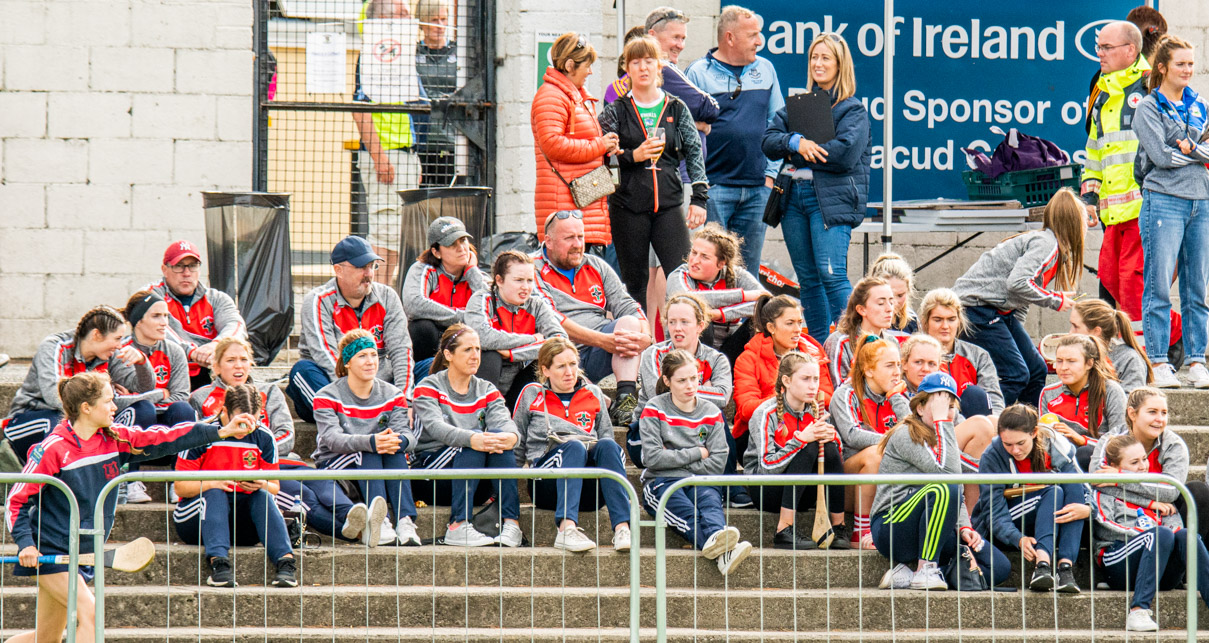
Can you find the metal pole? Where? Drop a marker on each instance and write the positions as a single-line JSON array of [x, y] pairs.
[[620, 27], [888, 127]]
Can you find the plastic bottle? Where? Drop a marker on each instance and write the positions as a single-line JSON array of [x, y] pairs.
[[1144, 522]]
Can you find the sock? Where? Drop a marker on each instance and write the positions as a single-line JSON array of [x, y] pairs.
[[627, 387], [862, 525]]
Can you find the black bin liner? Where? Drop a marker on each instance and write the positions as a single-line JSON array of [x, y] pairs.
[[248, 242], [422, 206], [493, 245]]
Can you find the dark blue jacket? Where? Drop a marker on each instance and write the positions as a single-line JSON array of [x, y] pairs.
[[991, 502], [842, 183]]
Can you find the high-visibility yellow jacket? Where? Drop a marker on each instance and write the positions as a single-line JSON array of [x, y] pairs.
[[1112, 145]]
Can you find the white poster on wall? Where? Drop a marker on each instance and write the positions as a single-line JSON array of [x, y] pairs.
[[388, 60], [325, 63]]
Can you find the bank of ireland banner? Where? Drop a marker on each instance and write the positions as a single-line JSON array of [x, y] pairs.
[[959, 69]]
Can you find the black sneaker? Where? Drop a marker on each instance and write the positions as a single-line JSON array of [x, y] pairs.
[[843, 537], [622, 412], [220, 573], [1043, 578], [739, 499], [788, 538], [1066, 579], [286, 576]]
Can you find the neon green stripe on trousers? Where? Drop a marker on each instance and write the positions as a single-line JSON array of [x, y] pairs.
[[935, 527]]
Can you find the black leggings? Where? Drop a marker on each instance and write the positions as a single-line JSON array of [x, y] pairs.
[[732, 347], [1200, 495], [425, 337], [800, 497], [635, 232]]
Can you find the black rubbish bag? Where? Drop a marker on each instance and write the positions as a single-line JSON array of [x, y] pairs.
[[422, 206], [492, 246], [248, 242]]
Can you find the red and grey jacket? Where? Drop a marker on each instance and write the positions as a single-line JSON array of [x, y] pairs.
[[1115, 508], [209, 316], [431, 293], [1073, 409], [327, 316], [57, 357], [726, 300], [274, 413], [969, 364], [772, 444], [1015, 274], [714, 384], [504, 327], [858, 430], [841, 352], [539, 411], [590, 296], [40, 520], [170, 367]]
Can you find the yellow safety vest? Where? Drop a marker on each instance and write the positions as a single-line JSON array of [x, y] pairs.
[[1112, 144]]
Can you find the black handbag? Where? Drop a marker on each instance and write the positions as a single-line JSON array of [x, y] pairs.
[[774, 208], [964, 574]]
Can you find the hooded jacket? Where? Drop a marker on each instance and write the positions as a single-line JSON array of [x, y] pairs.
[[756, 374], [563, 118], [646, 190]]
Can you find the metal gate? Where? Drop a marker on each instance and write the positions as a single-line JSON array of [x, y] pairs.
[[358, 99]]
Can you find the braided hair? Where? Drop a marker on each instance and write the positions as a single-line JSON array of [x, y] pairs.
[[790, 363], [103, 319]]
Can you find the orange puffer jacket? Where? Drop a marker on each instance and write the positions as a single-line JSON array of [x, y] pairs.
[[756, 372], [563, 117]]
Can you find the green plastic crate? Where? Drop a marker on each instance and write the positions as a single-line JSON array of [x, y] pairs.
[[1029, 187]]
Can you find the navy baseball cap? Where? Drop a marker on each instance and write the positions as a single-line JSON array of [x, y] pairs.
[[354, 250], [936, 382]]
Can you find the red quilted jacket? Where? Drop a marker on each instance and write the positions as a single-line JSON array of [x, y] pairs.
[[563, 117]]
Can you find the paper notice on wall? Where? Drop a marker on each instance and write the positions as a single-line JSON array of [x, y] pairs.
[[388, 60], [325, 63]]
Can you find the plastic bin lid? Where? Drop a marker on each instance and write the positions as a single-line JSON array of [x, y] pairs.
[[258, 199]]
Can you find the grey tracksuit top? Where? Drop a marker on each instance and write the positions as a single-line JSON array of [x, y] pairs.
[[764, 455], [1115, 509], [497, 333], [423, 280], [59, 356], [539, 412], [275, 416], [671, 439], [905, 455], [1059, 400], [854, 434], [347, 423], [596, 292], [177, 384], [327, 316], [983, 366], [1130, 366], [1014, 275], [729, 301], [715, 375], [1167, 170], [446, 418]]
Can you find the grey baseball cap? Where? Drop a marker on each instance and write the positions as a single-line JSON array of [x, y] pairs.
[[446, 231]]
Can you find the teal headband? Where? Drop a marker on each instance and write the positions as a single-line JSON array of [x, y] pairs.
[[356, 346]]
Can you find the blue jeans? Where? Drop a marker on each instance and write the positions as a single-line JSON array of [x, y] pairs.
[[1174, 230], [820, 258], [741, 210], [1021, 368], [565, 496]]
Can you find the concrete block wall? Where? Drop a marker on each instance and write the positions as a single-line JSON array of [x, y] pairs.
[[116, 115]]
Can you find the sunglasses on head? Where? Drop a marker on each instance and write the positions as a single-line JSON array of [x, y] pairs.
[[561, 215], [670, 14], [738, 88]]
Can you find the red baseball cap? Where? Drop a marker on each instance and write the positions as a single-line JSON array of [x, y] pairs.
[[179, 250]]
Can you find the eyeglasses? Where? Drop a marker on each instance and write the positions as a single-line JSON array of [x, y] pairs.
[[738, 88], [182, 267], [1103, 48], [670, 14]]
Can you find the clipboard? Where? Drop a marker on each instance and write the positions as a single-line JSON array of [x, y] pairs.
[[810, 115]]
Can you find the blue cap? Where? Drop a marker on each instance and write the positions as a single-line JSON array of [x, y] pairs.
[[354, 250], [936, 382]]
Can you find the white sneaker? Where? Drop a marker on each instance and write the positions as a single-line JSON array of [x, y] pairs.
[[1140, 621], [621, 538], [721, 542], [386, 535], [928, 576], [354, 522], [511, 536], [467, 536], [173, 497], [406, 533], [136, 493], [573, 539], [897, 577], [373, 534], [729, 560], [1199, 375], [1164, 376]]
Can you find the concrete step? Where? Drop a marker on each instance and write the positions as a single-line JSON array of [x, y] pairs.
[[507, 608], [610, 635]]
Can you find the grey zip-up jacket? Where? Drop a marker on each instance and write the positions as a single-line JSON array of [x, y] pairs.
[[58, 357], [347, 424], [716, 383], [671, 439], [840, 352], [1059, 400], [132, 379], [1115, 509], [446, 418], [422, 280], [728, 301], [496, 333], [904, 455], [1129, 364], [1165, 169], [764, 455], [539, 412], [327, 316], [854, 434], [596, 292], [983, 366], [1012, 275], [226, 318], [208, 401]]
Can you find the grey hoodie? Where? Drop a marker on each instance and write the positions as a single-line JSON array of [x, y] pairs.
[[1012, 275]]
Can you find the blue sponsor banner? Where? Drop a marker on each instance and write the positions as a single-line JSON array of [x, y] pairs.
[[960, 68]]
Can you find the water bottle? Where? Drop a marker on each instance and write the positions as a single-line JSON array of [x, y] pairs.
[[1144, 522]]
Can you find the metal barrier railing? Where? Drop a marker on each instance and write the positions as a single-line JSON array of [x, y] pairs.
[[661, 524], [393, 475], [73, 544]]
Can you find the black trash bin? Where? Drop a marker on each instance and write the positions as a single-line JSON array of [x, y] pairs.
[[422, 206], [248, 242]]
